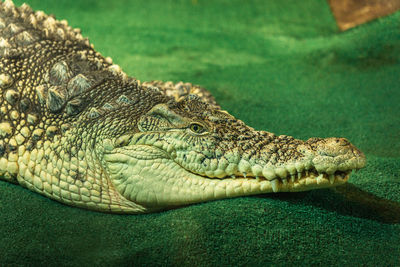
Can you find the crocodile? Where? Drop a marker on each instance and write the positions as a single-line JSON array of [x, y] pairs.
[[76, 129]]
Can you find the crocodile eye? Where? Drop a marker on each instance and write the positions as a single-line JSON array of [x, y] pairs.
[[197, 128]]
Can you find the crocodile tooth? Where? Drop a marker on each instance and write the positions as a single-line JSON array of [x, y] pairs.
[[275, 185], [244, 175], [307, 173], [244, 166], [281, 172], [284, 181], [269, 173], [332, 178], [299, 175], [299, 167], [258, 179], [291, 168], [233, 176], [293, 178], [256, 170], [319, 178]]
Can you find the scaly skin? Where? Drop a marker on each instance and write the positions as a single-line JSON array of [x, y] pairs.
[[76, 129]]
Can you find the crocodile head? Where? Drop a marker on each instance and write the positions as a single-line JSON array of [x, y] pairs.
[[186, 152]]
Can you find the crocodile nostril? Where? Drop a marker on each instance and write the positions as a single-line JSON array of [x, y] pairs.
[[342, 141]]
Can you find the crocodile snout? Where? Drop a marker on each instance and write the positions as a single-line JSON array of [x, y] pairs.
[[335, 154]]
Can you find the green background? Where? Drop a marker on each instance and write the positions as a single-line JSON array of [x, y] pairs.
[[280, 66]]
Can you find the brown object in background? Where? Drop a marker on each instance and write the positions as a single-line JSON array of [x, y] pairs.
[[350, 13]]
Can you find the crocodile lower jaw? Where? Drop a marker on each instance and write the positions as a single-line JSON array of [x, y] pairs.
[[306, 180], [147, 176]]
